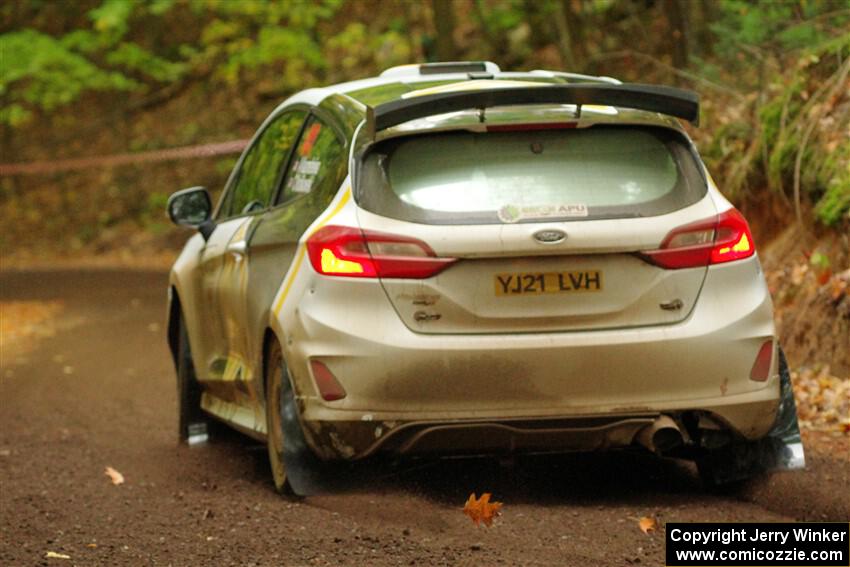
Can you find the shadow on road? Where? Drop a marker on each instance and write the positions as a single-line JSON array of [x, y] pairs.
[[576, 478], [609, 479]]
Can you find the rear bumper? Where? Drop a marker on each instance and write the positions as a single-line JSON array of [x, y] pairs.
[[466, 392]]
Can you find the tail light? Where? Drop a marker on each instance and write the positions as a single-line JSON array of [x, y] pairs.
[[351, 252], [724, 238]]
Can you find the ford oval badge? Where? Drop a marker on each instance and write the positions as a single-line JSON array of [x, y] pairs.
[[550, 236]]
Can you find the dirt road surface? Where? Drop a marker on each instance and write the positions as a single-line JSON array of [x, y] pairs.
[[100, 392]]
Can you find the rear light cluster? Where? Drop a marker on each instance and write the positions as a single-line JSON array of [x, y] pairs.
[[724, 238], [351, 252]]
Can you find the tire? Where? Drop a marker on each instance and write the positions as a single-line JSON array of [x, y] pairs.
[[781, 448], [728, 469], [278, 389], [192, 421]]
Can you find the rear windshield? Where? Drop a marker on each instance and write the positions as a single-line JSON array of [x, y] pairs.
[[530, 176]]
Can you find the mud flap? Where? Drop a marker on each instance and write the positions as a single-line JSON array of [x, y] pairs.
[[780, 449], [306, 473], [786, 443]]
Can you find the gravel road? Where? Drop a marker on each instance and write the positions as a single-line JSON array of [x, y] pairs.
[[97, 389]]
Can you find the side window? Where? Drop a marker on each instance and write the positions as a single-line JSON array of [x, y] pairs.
[[317, 163], [262, 168]]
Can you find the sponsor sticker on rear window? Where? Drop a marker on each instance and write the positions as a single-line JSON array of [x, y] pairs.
[[517, 213]]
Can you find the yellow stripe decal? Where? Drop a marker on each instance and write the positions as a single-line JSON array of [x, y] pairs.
[[291, 279], [302, 251]]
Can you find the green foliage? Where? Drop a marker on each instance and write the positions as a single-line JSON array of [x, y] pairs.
[[799, 106], [773, 55], [835, 203], [239, 41], [834, 177], [355, 48], [38, 71], [42, 72], [770, 24], [225, 165], [272, 44], [502, 17], [785, 52], [113, 16], [243, 40], [151, 216], [133, 57]]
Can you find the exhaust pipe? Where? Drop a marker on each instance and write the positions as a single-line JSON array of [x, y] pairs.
[[661, 436]]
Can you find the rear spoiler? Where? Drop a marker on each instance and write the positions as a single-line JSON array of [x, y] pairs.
[[654, 98]]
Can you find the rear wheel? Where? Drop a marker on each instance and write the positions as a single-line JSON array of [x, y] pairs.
[[781, 448], [192, 421], [278, 389]]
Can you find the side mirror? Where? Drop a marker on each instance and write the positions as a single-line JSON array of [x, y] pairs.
[[192, 207]]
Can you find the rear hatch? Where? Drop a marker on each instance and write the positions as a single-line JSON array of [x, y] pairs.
[[545, 224]]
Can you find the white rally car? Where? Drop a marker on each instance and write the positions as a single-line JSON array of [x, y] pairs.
[[451, 259]]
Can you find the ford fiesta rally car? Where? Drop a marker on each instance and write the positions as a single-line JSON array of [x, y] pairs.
[[451, 259]]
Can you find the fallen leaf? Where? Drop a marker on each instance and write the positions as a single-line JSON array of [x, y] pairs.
[[115, 476], [798, 273], [482, 510], [54, 555], [838, 288], [91, 545], [647, 524]]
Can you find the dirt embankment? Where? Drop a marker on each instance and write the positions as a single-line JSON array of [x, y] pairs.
[[809, 279]]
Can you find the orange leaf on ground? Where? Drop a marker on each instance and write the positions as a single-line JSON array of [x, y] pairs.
[[647, 524], [115, 476], [482, 510], [824, 277]]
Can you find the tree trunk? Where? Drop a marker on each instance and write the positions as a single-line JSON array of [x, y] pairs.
[[677, 23], [705, 14], [568, 61], [575, 26], [444, 23], [489, 42]]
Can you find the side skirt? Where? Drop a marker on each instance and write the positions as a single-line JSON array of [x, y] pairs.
[[238, 417]]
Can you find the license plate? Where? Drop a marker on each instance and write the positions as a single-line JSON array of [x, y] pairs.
[[538, 283]]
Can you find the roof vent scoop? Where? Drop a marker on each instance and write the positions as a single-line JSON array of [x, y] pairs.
[[442, 68]]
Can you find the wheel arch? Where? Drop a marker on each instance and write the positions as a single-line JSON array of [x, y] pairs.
[[269, 336]]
